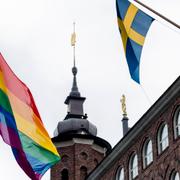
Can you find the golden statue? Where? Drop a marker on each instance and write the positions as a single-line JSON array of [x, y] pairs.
[[123, 105]]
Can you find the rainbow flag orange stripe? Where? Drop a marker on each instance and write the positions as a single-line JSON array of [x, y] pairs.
[[21, 126]]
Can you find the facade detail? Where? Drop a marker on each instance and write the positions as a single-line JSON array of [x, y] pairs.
[[150, 150], [163, 141], [120, 173], [177, 123], [133, 166], [147, 153]]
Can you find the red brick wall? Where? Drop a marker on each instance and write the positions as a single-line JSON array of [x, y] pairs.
[[163, 164], [76, 159]]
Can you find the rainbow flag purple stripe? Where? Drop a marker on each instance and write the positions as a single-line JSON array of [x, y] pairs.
[[21, 126]]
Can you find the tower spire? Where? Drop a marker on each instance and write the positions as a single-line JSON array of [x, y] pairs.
[[74, 90], [73, 42], [74, 100]]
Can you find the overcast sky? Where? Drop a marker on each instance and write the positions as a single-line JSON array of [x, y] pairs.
[[35, 41]]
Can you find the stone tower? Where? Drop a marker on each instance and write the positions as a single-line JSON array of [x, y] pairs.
[[75, 138]]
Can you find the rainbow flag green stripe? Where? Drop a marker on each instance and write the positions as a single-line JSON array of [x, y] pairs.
[[37, 152], [4, 102], [21, 126]]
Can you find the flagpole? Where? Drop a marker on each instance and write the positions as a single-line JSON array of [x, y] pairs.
[[74, 34], [158, 14]]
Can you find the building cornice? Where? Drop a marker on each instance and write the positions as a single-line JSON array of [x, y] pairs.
[[73, 137]]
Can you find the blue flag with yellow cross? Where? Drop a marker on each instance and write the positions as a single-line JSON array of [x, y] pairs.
[[133, 25]]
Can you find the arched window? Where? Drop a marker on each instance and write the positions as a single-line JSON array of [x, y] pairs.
[[64, 174], [163, 141], [175, 176], [177, 124], [147, 153], [83, 172], [95, 162], [83, 155], [120, 174], [133, 166]]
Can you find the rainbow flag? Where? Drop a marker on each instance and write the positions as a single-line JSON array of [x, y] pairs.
[[21, 126]]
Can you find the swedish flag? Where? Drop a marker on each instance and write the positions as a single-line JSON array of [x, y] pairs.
[[133, 25]]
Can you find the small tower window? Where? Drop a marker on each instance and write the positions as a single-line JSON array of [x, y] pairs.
[[147, 153], [95, 162], [133, 167], [120, 174], [64, 174], [83, 156], [177, 124], [175, 176], [163, 141], [83, 173]]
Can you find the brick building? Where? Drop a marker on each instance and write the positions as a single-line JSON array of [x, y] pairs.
[[150, 150]]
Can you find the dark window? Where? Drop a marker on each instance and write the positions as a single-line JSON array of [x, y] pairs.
[[83, 172], [64, 174], [95, 162], [83, 156]]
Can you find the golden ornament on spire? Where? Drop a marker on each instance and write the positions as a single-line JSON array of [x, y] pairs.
[[123, 105], [73, 37]]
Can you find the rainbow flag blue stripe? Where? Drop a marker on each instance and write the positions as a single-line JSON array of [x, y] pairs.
[[133, 25], [21, 126]]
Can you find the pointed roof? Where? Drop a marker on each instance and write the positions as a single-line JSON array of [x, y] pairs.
[[75, 121]]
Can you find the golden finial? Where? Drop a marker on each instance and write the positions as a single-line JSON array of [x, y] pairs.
[[123, 104], [73, 36]]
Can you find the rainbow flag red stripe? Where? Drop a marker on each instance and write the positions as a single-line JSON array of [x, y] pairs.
[[21, 126]]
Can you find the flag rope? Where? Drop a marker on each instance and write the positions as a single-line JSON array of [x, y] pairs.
[[147, 97]]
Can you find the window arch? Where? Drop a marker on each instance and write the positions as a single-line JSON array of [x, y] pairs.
[[120, 173], [175, 176], [163, 141], [133, 166], [95, 162], [177, 123], [147, 153], [64, 174], [83, 172]]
